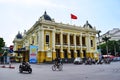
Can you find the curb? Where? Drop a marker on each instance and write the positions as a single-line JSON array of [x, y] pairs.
[[11, 67]]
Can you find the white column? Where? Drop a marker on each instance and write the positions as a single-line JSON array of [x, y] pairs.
[[81, 42], [88, 42], [75, 43], [38, 40], [61, 41], [94, 42], [53, 40], [68, 41], [41, 40], [30, 39], [15, 46]]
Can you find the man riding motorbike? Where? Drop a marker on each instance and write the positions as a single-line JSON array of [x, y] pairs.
[[57, 61], [25, 66], [57, 64]]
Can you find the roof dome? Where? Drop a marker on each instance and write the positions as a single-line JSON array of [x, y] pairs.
[[19, 36], [46, 17], [87, 25]]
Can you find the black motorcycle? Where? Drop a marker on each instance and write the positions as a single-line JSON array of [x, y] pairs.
[[88, 61], [25, 67]]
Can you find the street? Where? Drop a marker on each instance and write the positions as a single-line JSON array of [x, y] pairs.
[[70, 72]]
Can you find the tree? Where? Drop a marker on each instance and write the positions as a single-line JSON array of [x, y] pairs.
[[118, 46], [2, 44], [113, 47], [106, 39]]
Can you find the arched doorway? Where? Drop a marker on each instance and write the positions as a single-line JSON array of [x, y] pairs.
[[58, 53], [78, 53], [65, 53], [72, 53]]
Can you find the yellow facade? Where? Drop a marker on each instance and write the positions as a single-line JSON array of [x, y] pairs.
[[59, 40]]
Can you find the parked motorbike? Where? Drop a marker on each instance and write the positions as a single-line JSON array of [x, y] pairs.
[[107, 61], [25, 67], [88, 61], [93, 61], [100, 61]]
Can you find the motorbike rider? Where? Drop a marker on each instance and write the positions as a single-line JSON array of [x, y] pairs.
[[25, 66], [25, 63], [57, 61]]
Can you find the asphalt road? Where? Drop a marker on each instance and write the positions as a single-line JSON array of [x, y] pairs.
[[70, 72]]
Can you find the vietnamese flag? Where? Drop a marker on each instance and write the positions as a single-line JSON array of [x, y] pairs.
[[73, 16]]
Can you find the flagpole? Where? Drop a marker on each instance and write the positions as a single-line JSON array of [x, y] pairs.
[[71, 21]]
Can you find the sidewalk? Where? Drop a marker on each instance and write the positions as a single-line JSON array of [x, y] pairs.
[[7, 66]]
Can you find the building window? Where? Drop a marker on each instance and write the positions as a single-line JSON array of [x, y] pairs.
[[72, 53], [65, 39], [32, 40], [65, 53], [71, 40], [57, 39], [77, 40], [83, 41], [91, 43], [37, 38], [47, 39]]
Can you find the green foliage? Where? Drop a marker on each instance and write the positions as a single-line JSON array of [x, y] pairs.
[[112, 45], [106, 38], [103, 48], [2, 43]]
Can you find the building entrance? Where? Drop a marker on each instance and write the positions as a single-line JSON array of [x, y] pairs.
[[78, 53], [58, 53], [72, 53], [65, 53]]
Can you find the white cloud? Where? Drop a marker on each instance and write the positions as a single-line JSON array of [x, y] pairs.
[[44, 3], [26, 2]]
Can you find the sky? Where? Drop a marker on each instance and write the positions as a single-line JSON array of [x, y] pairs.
[[20, 15]]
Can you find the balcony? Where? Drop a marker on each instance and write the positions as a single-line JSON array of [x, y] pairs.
[[65, 45], [57, 44], [84, 46], [72, 46], [78, 45]]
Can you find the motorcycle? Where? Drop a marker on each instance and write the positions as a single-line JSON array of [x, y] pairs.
[[107, 61], [25, 67], [100, 61], [59, 67], [88, 61]]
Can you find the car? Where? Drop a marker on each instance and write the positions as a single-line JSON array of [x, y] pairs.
[[78, 60], [116, 59]]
